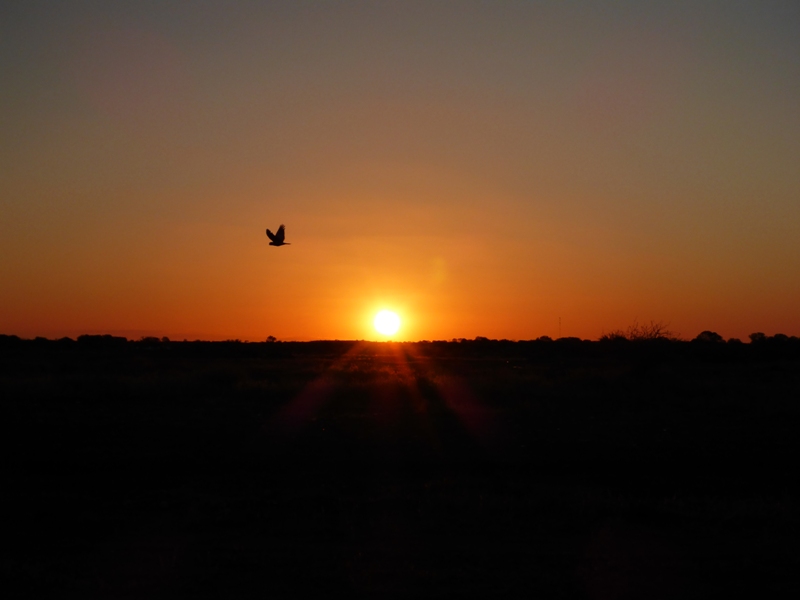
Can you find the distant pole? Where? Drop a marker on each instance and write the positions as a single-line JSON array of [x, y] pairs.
[[559, 326]]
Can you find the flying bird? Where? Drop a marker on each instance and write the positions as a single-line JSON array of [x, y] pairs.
[[277, 238]]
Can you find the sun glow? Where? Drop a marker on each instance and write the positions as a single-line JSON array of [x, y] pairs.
[[386, 322]]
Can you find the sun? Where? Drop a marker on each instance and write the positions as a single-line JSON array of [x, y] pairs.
[[386, 322]]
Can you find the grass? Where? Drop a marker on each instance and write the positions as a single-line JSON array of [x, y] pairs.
[[577, 470]]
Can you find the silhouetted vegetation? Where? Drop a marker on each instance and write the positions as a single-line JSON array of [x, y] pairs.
[[709, 337], [655, 330], [637, 466]]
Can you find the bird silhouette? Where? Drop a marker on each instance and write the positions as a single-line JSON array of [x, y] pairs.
[[277, 238]]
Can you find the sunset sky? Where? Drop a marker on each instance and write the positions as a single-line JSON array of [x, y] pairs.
[[480, 168]]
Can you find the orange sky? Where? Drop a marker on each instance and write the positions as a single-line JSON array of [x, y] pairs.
[[481, 168]]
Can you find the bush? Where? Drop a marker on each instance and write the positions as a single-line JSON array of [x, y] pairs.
[[709, 336], [655, 330]]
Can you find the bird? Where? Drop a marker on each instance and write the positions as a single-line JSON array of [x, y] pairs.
[[277, 238]]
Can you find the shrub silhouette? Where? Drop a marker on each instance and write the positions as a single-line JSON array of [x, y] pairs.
[[102, 341], [709, 336], [655, 330]]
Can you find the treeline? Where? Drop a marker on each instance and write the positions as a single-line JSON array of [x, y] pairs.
[[707, 343], [616, 337]]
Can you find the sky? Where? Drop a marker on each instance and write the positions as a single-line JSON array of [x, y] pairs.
[[500, 169]]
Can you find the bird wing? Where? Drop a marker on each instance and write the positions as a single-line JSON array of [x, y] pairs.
[[281, 233], [271, 235]]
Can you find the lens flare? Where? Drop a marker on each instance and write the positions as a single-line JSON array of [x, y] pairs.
[[386, 322]]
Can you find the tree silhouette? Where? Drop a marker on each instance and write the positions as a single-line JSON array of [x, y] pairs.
[[709, 336], [655, 330]]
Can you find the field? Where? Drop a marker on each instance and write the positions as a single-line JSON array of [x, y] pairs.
[[565, 469]]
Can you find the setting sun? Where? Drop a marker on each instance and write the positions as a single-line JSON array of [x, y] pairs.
[[386, 322]]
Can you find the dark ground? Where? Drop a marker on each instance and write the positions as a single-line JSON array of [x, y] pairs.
[[559, 469]]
